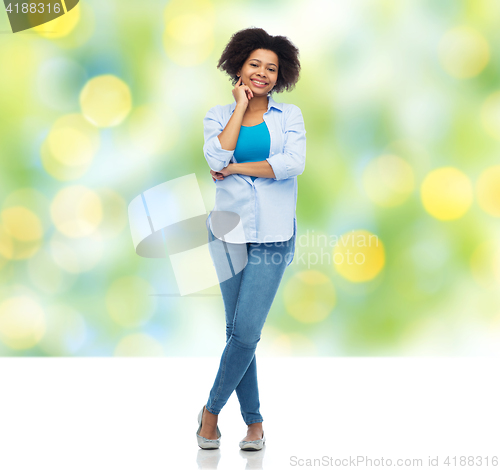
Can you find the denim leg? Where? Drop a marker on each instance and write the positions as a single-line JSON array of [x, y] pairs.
[[247, 390], [259, 283], [248, 395]]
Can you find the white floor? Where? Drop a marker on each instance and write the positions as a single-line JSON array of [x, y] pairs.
[[140, 413]]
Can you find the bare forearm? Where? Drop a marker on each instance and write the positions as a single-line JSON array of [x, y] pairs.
[[229, 136], [260, 169]]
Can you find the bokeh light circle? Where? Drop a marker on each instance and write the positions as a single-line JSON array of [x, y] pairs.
[[21, 233], [76, 211], [485, 265], [21, 223], [6, 247], [115, 213], [446, 193], [490, 115], [76, 255], [464, 52], [359, 255], [106, 101], [188, 38], [22, 322], [61, 26], [70, 147], [488, 190]]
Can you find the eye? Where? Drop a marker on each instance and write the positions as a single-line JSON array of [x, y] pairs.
[[272, 70]]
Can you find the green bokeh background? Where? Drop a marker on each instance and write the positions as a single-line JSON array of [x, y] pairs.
[[375, 80]]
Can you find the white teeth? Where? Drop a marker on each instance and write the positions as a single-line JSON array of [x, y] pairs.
[[260, 83]]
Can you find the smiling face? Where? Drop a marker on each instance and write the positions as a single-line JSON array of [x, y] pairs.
[[262, 66]]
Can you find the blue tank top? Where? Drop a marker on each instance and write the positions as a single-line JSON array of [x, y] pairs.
[[254, 143]]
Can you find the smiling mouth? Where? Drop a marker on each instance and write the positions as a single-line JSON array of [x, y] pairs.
[[258, 84]]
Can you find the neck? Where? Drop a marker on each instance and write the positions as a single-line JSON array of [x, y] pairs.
[[258, 103]]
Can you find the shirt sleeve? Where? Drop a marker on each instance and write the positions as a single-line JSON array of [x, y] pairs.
[[217, 158], [292, 161]]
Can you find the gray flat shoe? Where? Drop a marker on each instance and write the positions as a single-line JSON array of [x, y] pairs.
[[253, 445], [203, 442]]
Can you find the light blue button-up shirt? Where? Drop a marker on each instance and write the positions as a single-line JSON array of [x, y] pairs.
[[267, 206]]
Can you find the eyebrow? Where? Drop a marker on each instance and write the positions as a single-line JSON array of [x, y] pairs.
[[270, 63]]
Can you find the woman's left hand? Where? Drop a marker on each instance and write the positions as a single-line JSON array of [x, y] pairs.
[[220, 175]]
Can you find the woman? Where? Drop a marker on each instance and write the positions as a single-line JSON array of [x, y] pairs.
[[255, 148]]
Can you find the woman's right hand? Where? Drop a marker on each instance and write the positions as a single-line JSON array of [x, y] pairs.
[[242, 93]]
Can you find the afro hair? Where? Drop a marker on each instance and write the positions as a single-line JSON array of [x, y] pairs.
[[245, 41]]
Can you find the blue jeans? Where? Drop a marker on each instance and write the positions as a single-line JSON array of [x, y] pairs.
[[248, 296]]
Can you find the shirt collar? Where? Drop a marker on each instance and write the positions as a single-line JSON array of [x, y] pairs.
[[271, 103]]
